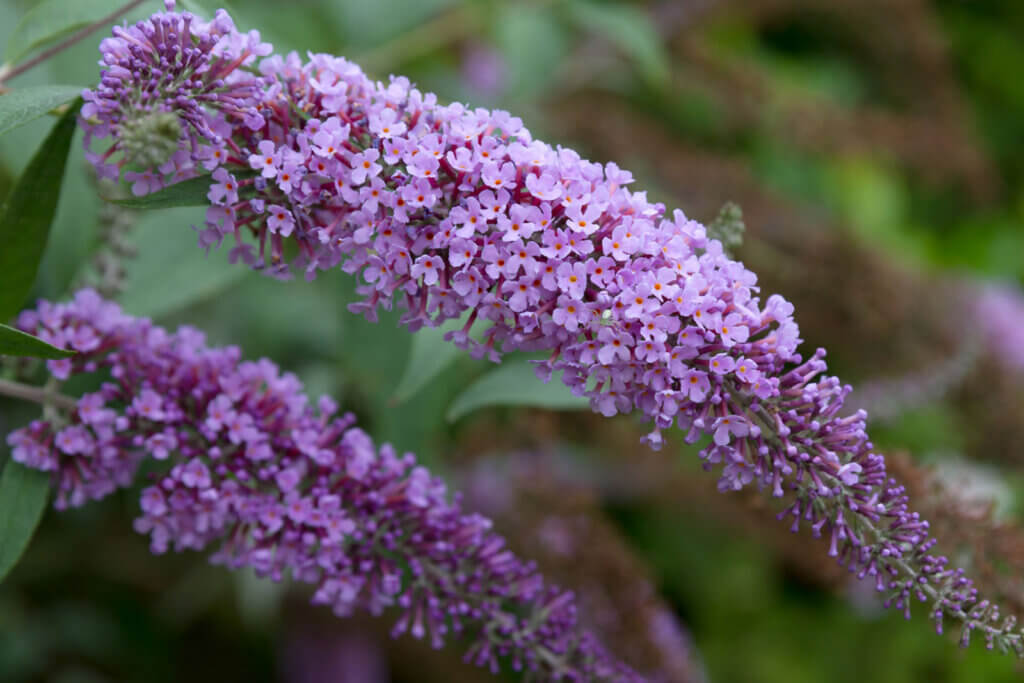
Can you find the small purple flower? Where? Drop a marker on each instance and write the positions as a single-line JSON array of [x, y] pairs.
[[149, 405], [195, 475], [161, 444], [364, 166], [225, 190], [266, 159], [729, 426], [74, 440], [426, 267], [280, 220]]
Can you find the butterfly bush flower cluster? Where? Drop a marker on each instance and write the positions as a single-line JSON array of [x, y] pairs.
[[459, 213], [246, 464]]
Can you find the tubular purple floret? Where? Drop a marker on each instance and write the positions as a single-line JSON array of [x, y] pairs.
[[273, 483], [460, 212]]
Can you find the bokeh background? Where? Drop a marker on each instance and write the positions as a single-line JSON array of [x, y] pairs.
[[876, 148]]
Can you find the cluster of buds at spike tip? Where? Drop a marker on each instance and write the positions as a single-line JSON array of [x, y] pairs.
[[456, 211], [283, 487], [151, 139], [728, 227]]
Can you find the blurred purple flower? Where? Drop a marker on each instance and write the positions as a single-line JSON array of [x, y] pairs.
[[483, 68]]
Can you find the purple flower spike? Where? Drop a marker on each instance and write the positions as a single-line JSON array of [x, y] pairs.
[[276, 485], [456, 211]]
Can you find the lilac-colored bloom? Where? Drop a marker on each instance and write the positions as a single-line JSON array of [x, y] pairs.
[[632, 250], [266, 159], [225, 190], [348, 525]]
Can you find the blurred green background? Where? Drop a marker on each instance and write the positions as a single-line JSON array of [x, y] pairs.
[[877, 148]]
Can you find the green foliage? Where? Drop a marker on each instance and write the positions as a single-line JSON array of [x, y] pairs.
[[23, 105], [191, 192], [14, 342], [28, 213], [532, 43], [630, 29], [51, 20], [170, 271], [515, 383], [23, 495], [429, 355]]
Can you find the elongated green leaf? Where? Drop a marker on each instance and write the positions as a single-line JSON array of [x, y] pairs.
[[191, 192], [51, 20], [429, 355], [515, 383], [17, 343], [28, 213], [628, 28], [530, 39], [171, 271], [23, 105], [23, 494]]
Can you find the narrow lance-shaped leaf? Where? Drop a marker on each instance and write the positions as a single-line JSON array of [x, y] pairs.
[[28, 214], [168, 272], [24, 105], [514, 383], [191, 192], [23, 494], [628, 28], [17, 343], [429, 355]]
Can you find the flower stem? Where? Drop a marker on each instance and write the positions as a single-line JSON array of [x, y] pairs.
[[67, 42], [40, 395]]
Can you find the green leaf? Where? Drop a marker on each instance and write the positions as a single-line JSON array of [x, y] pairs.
[[23, 494], [171, 271], [628, 28], [515, 383], [191, 192], [28, 213], [429, 355], [51, 20], [531, 42], [17, 343], [23, 105]]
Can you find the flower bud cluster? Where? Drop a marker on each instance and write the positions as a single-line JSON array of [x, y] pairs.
[[248, 466], [459, 212]]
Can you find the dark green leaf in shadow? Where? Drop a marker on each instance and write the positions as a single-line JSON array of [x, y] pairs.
[[191, 192], [23, 494], [28, 213], [17, 343]]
